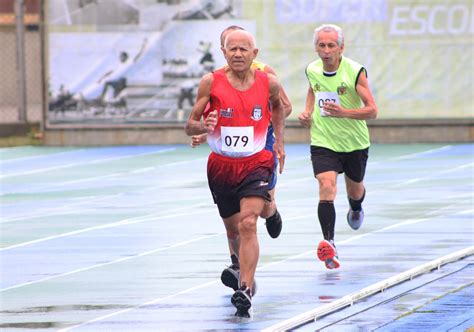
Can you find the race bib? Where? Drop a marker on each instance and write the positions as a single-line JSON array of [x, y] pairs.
[[324, 97], [237, 139]]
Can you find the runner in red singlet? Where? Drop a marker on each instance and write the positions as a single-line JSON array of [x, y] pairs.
[[239, 166], [273, 220]]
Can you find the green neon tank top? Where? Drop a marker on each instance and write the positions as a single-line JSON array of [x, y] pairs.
[[337, 134]]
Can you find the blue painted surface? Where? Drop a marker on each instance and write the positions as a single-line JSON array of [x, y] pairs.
[[451, 312]]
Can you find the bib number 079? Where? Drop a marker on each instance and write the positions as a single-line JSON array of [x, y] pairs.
[[233, 141], [237, 139]]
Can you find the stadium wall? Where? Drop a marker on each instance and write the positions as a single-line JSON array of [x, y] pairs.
[[382, 131]]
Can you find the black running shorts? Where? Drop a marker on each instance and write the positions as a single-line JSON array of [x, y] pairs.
[[353, 163], [231, 179]]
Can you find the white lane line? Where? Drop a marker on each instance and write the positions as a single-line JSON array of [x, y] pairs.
[[91, 162], [79, 202], [24, 147], [132, 256], [47, 155], [468, 212], [159, 214], [383, 183], [291, 182], [451, 170], [422, 153], [149, 217], [129, 221], [402, 157], [186, 291], [120, 260], [64, 209], [260, 268], [147, 169], [414, 155], [444, 198], [281, 184], [54, 186]]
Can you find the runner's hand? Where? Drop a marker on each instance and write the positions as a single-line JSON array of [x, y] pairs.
[[211, 122], [197, 140], [279, 150], [305, 119]]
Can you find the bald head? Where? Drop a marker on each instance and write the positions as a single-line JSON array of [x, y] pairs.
[[240, 37], [228, 30]]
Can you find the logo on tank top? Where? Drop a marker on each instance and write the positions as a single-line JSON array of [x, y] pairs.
[[257, 113], [227, 113], [342, 89]]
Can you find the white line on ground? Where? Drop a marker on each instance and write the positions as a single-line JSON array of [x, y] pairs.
[[310, 252], [147, 169], [471, 212], [55, 154], [91, 162], [455, 169], [129, 257], [413, 155], [129, 221], [123, 259], [15, 148], [404, 183], [189, 290], [64, 209], [54, 186], [447, 197]]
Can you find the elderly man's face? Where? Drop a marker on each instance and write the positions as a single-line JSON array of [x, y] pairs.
[[328, 49], [239, 51]]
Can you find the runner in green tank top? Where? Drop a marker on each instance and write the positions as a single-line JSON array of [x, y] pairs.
[[337, 104]]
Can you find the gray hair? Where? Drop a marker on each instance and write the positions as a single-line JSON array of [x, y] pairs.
[[329, 28]]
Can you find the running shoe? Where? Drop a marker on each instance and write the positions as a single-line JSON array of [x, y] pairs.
[[254, 287], [242, 300], [355, 218], [230, 276], [328, 254], [274, 225]]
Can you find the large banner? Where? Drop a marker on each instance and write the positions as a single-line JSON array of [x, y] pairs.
[[115, 62], [419, 54]]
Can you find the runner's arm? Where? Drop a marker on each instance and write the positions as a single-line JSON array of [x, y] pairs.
[[194, 125], [305, 117], [278, 120], [369, 111], [285, 101]]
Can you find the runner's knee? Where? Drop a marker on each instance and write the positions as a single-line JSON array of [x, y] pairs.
[[327, 187], [248, 224]]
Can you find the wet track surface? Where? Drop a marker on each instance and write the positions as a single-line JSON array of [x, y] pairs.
[[127, 239]]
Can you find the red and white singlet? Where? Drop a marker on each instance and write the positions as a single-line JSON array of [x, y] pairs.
[[243, 116]]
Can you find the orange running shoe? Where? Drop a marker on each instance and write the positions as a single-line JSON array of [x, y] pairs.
[[328, 254]]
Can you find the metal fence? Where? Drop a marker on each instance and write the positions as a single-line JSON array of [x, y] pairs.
[[20, 67]]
